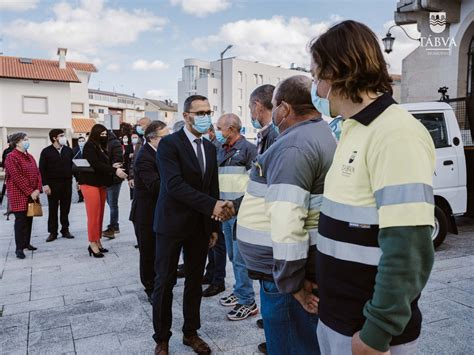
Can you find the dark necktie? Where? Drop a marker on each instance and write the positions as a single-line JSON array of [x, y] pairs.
[[200, 157]]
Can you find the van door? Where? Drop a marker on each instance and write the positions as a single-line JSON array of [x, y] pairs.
[[447, 168]]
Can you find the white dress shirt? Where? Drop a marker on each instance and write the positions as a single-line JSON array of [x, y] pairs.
[[191, 138]]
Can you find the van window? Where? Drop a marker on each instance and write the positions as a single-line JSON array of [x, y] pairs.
[[436, 125]]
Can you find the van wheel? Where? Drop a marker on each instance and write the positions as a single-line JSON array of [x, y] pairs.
[[441, 227]]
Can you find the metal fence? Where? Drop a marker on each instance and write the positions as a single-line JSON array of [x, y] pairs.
[[464, 109]]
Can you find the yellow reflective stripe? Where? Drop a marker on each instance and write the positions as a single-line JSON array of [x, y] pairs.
[[287, 222], [233, 182], [232, 170], [252, 213], [406, 214]]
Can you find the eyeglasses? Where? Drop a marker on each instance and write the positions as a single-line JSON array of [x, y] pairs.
[[202, 113]]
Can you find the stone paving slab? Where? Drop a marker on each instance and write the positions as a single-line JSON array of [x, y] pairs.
[[60, 300]]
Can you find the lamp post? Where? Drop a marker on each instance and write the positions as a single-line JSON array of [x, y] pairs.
[[388, 39], [222, 76]]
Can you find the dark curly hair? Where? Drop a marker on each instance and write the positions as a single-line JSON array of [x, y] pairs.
[[349, 55]]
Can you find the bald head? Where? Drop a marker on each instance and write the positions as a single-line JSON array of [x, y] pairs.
[[229, 120], [295, 91]]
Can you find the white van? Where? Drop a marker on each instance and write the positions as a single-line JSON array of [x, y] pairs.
[[450, 175]]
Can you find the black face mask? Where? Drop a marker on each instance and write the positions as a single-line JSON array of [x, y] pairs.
[[103, 140]]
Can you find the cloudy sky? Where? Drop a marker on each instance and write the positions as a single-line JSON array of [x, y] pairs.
[[139, 45]]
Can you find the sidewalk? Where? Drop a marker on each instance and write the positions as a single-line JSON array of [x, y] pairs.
[[60, 300]]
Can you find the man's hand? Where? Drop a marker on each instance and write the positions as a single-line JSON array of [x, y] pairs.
[[47, 190], [117, 165], [306, 298], [223, 211], [131, 183], [213, 240], [360, 348], [35, 194]]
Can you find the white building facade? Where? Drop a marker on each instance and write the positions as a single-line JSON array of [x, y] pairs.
[[128, 107], [241, 77]]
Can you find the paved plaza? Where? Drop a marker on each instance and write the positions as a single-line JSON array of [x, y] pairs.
[[59, 300]]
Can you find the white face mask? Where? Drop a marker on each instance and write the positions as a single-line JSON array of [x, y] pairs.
[[62, 140]]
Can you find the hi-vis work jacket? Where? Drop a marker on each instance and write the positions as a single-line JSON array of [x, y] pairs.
[[278, 218], [233, 166]]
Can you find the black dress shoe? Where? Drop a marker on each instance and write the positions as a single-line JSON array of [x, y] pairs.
[[263, 348], [67, 235], [31, 247], [180, 271], [20, 254], [52, 237], [213, 290], [260, 323], [103, 250]]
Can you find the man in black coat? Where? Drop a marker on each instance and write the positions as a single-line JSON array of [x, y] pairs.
[[55, 165], [115, 152], [188, 198], [147, 188]]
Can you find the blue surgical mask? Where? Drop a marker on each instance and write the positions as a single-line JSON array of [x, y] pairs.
[[134, 140], [202, 123], [26, 145], [140, 130], [206, 136], [256, 124], [277, 126], [81, 144], [220, 137], [320, 103], [336, 127]]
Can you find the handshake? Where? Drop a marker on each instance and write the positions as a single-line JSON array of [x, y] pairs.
[[223, 210]]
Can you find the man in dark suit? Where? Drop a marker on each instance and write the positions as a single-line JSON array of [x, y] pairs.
[[147, 188], [188, 198], [55, 165]]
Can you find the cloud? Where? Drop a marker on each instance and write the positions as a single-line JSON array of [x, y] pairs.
[[277, 41], [202, 8], [156, 94], [402, 45], [88, 28], [18, 5], [113, 67], [142, 64]]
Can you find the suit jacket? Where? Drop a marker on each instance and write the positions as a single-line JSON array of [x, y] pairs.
[[187, 198], [147, 186]]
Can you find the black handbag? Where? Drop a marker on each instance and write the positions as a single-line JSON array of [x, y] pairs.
[[81, 166]]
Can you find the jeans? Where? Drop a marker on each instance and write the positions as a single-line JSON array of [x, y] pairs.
[[289, 329], [333, 343], [243, 288], [113, 193], [215, 269]]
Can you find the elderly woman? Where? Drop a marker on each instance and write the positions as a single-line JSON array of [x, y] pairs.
[[23, 184]]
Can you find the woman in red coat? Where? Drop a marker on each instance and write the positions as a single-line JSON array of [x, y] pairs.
[[23, 183]]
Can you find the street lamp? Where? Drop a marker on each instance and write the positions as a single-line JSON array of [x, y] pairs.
[[388, 39], [222, 76]]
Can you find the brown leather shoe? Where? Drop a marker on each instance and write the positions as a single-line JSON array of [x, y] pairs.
[[52, 237], [199, 346], [161, 348]]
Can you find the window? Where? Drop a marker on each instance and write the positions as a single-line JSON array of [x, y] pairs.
[[240, 76], [261, 79], [214, 91], [101, 110], [436, 125], [35, 104], [204, 73], [91, 110], [77, 107], [239, 111], [241, 94], [256, 78]]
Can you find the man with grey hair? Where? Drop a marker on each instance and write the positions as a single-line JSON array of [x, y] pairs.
[[235, 158], [260, 105], [278, 219]]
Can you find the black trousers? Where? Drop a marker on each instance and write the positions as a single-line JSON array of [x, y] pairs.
[[146, 245], [168, 249], [60, 196], [22, 230]]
